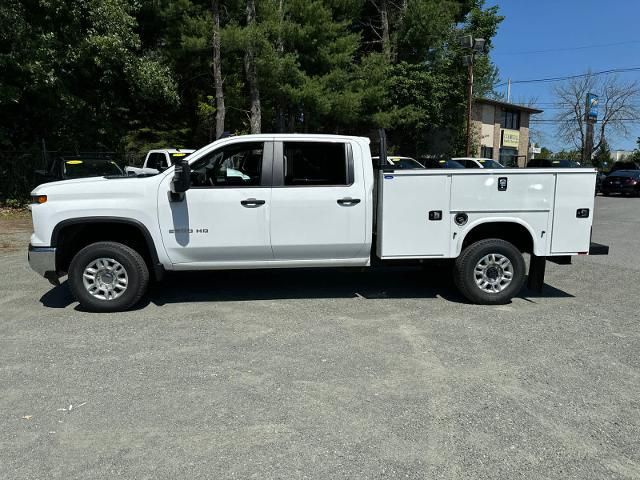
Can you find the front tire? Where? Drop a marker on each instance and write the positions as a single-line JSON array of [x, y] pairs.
[[490, 272], [108, 277]]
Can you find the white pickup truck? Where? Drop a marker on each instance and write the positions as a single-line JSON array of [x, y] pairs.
[[158, 161], [297, 200]]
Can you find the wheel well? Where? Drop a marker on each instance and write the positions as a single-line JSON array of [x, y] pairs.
[[70, 239], [511, 232]]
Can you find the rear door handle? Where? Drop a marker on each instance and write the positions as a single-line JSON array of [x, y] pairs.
[[251, 203], [348, 202]]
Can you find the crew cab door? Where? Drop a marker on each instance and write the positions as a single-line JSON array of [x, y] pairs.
[[318, 202], [223, 218]]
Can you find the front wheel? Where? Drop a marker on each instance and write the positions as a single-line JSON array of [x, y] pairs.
[[490, 272], [108, 277]]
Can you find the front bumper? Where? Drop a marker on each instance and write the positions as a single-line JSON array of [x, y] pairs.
[[628, 189], [42, 260]]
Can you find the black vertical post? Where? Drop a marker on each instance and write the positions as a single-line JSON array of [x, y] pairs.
[[469, 105], [383, 148]]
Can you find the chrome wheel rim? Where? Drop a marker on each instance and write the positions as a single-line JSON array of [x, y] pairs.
[[105, 279], [493, 273]]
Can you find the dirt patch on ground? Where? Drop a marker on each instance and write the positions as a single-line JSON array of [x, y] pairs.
[[15, 228]]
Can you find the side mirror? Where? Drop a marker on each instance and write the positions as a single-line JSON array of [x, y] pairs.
[[181, 177]]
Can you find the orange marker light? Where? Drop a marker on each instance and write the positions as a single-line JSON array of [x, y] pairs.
[[38, 198]]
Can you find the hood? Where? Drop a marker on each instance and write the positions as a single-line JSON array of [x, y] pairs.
[[97, 187]]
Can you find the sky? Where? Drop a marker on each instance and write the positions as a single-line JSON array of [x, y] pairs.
[[576, 36]]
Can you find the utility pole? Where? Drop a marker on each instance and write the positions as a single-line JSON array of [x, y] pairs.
[[467, 151], [509, 90], [591, 117], [473, 46]]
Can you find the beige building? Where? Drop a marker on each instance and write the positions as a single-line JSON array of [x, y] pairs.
[[501, 131]]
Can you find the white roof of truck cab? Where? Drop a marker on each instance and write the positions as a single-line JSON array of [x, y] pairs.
[[172, 150], [292, 137]]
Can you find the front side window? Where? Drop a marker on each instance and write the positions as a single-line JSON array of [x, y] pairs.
[[315, 164], [238, 165]]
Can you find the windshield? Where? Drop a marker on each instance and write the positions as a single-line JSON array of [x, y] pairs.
[[404, 163], [626, 173], [90, 168], [489, 163], [450, 164], [177, 156], [565, 163]]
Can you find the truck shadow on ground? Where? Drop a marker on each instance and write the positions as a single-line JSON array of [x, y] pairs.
[[247, 285]]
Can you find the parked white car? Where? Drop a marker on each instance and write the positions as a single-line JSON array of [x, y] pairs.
[[470, 162], [157, 161], [400, 162], [289, 201]]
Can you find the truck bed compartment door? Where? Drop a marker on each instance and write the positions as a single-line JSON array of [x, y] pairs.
[[572, 229], [413, 215]]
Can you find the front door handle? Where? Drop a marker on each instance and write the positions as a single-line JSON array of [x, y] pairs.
[[348, 202], [251, 203]]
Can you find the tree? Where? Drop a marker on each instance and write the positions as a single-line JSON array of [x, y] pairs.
[[74, 72], [617, 105], [603, 155], [217, 69], [255, 112], [545, 153]]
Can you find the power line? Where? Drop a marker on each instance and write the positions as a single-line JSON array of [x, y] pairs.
[[568, 49], [568, 77], [553, 120]]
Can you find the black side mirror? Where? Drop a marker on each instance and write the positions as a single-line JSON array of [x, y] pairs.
[[181, 177]]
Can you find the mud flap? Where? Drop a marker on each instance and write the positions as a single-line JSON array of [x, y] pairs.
[[537, 267]]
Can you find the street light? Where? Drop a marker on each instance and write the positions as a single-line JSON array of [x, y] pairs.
[[474, 46]]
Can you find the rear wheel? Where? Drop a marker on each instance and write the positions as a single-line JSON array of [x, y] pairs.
[[490, 272], [108, 277]]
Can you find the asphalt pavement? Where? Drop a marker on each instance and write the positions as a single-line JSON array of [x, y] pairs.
[[327, 374]]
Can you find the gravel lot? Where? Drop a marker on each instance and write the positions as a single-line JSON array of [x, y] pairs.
[[327, 374]]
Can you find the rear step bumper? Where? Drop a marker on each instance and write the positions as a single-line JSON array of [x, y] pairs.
[[537, 265], [598, 249]]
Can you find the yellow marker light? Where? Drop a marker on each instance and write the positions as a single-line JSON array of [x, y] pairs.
[[443, 161], [179, 154], [73, 162], [38, 198]]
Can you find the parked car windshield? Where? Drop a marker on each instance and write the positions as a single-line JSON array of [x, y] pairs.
[[90, 168], [450, 164], [489, 163], [404, 163], [625, 173], [547, 163], [177, 156]]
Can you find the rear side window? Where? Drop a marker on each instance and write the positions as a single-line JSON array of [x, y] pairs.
[[316, 164]]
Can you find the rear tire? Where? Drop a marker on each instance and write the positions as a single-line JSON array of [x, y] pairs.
[[108, 277], [490, 272]]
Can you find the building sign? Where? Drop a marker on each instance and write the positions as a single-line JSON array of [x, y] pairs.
[[510, 138], [592, 107]]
